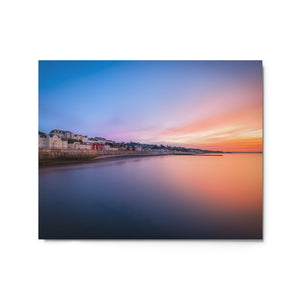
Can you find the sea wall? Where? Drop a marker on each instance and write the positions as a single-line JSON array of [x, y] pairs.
[[45, 154]]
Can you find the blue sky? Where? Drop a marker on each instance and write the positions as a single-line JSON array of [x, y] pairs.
[[127, 100]]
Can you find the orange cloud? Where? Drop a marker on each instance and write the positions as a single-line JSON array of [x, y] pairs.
[[237, 130]]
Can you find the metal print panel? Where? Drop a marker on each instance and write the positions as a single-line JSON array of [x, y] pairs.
[[150, 150]]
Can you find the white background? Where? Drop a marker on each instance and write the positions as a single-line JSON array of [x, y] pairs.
[[36, 269]]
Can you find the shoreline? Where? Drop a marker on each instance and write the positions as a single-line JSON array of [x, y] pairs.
[[102, 158]]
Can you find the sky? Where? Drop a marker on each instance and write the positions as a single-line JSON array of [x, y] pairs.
[[213, 105]]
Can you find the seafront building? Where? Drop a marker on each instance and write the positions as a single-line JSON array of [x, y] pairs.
[[79, 146], [67, 134], [62, 139], [59, 133], [52, 141]]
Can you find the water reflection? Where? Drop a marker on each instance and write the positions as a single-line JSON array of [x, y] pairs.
[[154, 197]]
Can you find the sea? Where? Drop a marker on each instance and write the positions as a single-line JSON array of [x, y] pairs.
[[155, 197]]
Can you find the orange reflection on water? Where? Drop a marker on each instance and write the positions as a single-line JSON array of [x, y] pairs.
[[232, 182]]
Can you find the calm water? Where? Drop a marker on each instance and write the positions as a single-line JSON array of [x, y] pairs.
[[154, 197]]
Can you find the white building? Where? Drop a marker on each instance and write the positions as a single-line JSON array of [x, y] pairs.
[[60, 133], [83, 146], [79, 146], [69, 135], [95, 141], [52, 141], [64, 143], [78, 137], [42, 141], [63, 133], [55, 142]]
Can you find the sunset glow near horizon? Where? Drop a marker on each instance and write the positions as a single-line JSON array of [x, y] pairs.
[[213, 105]]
